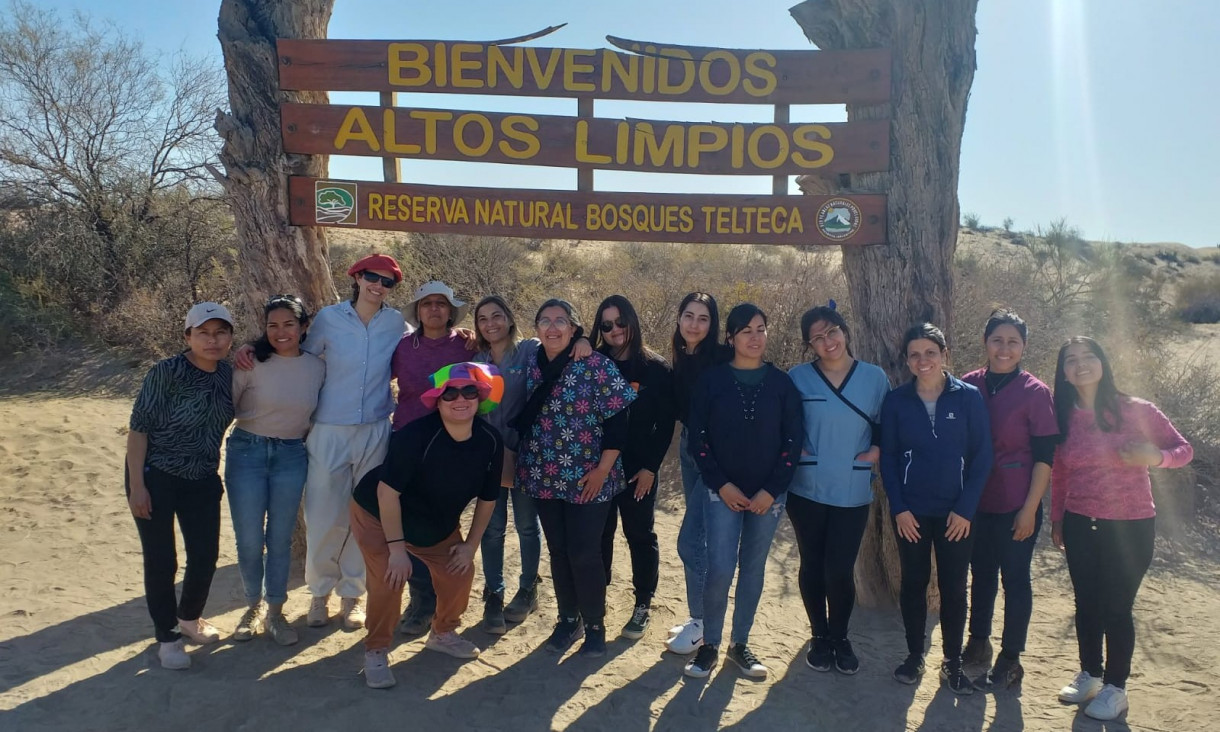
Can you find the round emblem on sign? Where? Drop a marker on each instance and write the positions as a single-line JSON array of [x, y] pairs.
[[838, 219]]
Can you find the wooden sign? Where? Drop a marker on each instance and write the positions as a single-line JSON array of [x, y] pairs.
[[587, 215], [607, 144], [655, 72]]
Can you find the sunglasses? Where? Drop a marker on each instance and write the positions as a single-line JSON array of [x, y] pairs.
[[386, 282], [608, 325], [451, 393]]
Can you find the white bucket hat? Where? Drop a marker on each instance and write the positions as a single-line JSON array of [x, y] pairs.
[[434, 287]]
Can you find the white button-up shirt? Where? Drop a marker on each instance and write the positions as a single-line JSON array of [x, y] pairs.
[[357, 385]]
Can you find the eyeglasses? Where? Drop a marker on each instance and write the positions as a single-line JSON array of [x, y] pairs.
[[386, 282], [609, 325], [560, 323], [284, 300], [832, 332], [451, 393]]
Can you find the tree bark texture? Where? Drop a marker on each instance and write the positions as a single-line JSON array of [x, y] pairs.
[[274, 256], [911, 279]]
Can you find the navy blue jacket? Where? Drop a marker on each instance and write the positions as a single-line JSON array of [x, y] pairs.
[[932, 469], [748, 437]]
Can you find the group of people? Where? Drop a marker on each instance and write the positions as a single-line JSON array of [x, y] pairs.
[[571, 428]]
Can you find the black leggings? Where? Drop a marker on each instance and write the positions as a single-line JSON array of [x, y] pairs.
[[196, 503], [574, 541], [638, 519], [829, 540], [1107, 561], [952, 567]]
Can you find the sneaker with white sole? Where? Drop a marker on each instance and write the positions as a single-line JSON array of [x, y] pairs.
[[1110, 703], [702, 664], [173, 655], [352, 611], [250, 623], [686, 638], [319, 611], [740, 654], [377, 673], [451, 644], [635, 627], [280, 631], [199, 631], [1083, 688]]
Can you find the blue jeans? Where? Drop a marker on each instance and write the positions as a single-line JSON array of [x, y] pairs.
[[692, 536], [265, 477], [529, 533], [736, 541]]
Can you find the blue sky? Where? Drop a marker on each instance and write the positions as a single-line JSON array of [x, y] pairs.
[[1100, 111]]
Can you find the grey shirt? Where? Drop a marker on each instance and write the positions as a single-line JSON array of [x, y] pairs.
[[514, 369]]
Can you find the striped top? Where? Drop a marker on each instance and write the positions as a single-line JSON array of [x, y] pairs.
[[185, 411]]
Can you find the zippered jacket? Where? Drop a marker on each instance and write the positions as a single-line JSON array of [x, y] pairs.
[[931, 467]]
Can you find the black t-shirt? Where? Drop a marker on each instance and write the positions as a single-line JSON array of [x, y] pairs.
[[436, 477]]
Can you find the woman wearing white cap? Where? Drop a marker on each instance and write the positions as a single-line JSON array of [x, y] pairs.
[[173, 457]]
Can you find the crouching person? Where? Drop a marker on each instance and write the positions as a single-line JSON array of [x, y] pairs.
[[413, 505]]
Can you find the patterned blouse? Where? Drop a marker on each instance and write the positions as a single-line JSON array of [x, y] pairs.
[[565, 441], [185, 411]]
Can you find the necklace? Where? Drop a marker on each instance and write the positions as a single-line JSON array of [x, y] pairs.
[[1002, 382]]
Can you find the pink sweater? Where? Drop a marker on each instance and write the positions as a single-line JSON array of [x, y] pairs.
[[1090, 479]]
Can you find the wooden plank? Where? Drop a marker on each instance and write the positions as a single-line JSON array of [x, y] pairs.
[[801, 220], [779, 184], [651, 145], [584, 174], [391, 168], [736, 76]]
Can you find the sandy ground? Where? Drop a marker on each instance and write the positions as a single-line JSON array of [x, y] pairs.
[[76, 649]]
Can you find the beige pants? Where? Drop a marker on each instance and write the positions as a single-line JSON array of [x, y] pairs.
[[339, 455]]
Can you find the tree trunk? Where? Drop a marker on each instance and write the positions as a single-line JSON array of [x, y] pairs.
[[274, 257], [910, 280]]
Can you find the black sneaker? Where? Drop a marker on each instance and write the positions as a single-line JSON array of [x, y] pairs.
[[595, 641], [951, 673], [635, 627], [416, 619], [740, 654], [977, 651], [845, 658], [522, 604], [910, 670], [493, 613], [702, 664], [821, 655], [1005, 674], [567, 631]]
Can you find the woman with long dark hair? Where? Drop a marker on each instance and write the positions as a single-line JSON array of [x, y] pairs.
[[935, 456], [747, 431], [695, 349], [266, 462], [1023, 435], [650, 429], [828, 501], [573, 428], [1102, 514]]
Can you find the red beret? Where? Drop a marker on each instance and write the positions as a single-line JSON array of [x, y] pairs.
[[376, 261]]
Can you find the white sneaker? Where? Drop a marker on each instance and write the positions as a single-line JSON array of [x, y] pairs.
[[280, 631], [686, 638], [377, 673], [199, 631], [1083, 688], [173, 655], [451, 644], [319, 613], [352, 609], [1110, 703], [250, 623]]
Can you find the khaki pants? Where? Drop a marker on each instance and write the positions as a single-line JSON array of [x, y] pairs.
[[339, 455], [385, 602]]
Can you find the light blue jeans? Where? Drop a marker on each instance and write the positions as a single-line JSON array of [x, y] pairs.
[[529, 534], [264, 478], [692, 537], [736, 541]]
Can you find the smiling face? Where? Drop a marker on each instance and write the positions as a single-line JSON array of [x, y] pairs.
[[1004, 349], [618, 336], [828, 341], [694, 324], [750, 342], [284, 332], [555, 330], [925, 358], [210, 342], [1081, 367], [458, 410], [373, 293], [493, 324]]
